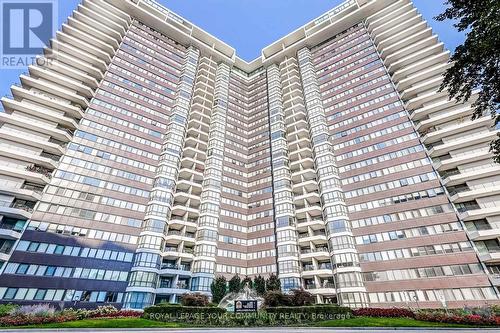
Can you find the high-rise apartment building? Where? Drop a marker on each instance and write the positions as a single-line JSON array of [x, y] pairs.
[[143, 158]]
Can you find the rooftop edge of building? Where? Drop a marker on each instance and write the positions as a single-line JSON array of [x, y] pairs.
[[312, 33]]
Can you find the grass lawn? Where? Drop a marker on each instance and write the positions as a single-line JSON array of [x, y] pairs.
[[145, 323], [383, 322]]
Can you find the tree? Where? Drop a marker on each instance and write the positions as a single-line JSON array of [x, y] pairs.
[[300, 297], [245, 281], [476, 63], [273, 298], [235, 284], [218, 288], [259, 284], [273, 283]]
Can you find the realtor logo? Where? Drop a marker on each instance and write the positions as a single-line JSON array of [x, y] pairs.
[[26, 29]]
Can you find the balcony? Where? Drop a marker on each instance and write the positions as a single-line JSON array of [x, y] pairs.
[[315, 287], [478, 213], [6, 246], [495, 279], [176, 237], [456, 112], [19, 209], [317, 237], [40, 170], [490, 257], [170, 249], [173, 270], [484, 234], [176, 267], [454, 178], [322, 270], [11, 228], [167, 284], [179, 222], [440, 148], [467, 194], [447, 162], [27, 191], [434, 134], [72, 110], [304, 223], [320, 253], [303, 211], [33, 187], [179, 289]]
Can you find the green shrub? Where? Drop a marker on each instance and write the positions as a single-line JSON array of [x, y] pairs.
[[234, 285], [259, 284], [194, 300], [273, 283], [273, 298], [300, 297], [297, 297], [273, 316], [323, 309], [176, 310], [218, 288], [5, 309]]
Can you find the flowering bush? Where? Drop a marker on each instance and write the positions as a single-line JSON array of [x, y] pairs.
[[119, 314], [469, 319], [38, 310], [107, 311], [18, 320], [6, 309], [44, 314], [380, 312]]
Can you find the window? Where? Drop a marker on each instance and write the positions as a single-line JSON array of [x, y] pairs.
[[10, 293]]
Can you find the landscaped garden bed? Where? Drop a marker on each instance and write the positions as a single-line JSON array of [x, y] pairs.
[[294, 309], [13, 315]]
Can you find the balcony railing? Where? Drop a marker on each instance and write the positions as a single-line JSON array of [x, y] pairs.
[[6, 247], [40, 170], [168, 284], [19, 205], [467, 208], [321, 266], [447, 174], [178, 233], [11, 226], [67, 130], [176, 267], [320, 249], [459, 190], [329, 285], [53, 157], [58, 142], [306, 220], [181, 218]]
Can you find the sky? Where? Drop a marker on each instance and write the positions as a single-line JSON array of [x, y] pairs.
[[250, 25]]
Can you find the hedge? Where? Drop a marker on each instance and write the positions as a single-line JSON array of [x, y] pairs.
[[275, 316], [180, 313], [310, 309], [384, 312]]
